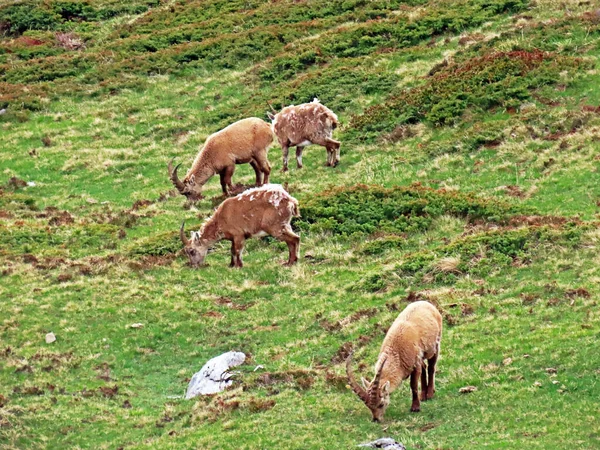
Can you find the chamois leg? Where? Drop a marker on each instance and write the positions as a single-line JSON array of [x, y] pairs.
[[333, 147], [285, 150], [423, 382], [226, 183], [223, 182], [264, 166], [431, 362], [329, 157], [237, 245], [414, 386], [299, 149], [292, 240], [257, 171]]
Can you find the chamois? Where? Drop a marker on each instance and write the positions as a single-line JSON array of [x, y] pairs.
[[414, 337], [306, 124], [245, 141], [261, 211]]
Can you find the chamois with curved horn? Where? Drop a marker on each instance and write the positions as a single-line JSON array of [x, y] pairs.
[[245, 141], [261, 211], [413, 339]]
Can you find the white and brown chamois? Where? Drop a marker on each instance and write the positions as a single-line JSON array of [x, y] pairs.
[[260, 211], [413, 338], [306, 124], [245, 141]]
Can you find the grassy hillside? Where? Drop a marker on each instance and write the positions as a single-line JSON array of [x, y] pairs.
[[469, 177]]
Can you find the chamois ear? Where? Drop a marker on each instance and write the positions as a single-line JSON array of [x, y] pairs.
[[193, 179], [365, 383], [385, 390], [195, 238], [270, 115]]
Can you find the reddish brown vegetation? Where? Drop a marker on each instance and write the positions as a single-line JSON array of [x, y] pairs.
[[225, 301]]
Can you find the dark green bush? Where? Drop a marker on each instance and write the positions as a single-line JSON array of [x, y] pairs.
[[366, 209], [17, 18], [158, 245], [381, 245]]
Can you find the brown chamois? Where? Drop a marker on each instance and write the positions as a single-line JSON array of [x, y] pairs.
[[260, 211], [414, 337], [245, 141], [306, 124]]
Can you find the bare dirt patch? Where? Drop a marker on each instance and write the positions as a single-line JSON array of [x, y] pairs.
[[300, 378], [578, 292], [227, 302], [16, 183]]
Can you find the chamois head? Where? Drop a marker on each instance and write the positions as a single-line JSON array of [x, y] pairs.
[[186, 187], [195, 248], [376, 397]]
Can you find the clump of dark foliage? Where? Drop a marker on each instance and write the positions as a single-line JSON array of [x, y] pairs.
[[503, 79], [365, 209]]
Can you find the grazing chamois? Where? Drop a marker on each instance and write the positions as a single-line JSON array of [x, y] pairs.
[[245, 141], [260, 211], [306, 124], [413, 338]]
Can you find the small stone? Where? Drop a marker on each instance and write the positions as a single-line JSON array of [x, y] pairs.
[[551, 370], [136, 325], [50, 338], [507, 361], [467, 389], [537, 384], [385, 443]]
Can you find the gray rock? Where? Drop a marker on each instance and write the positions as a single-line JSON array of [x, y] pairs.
[[386, 443], [214, 376]]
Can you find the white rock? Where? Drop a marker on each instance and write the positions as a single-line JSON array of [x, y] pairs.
[[50, 338], [385, 443], [31, 183], [214, 376], [136, 325]]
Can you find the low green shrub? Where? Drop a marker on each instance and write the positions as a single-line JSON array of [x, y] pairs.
[[66, 240], [499, 79], [157, 245], [382, 245], [365, 209]]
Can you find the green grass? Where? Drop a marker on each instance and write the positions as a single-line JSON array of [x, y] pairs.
[[473, 186]]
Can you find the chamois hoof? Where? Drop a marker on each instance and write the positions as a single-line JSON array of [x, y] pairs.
[[415, 408], [285, 169]]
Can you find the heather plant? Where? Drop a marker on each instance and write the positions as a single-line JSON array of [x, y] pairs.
[[501, 79], [366, 209]]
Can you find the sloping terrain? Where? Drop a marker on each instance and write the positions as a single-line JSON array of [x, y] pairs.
[[469, 177]]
